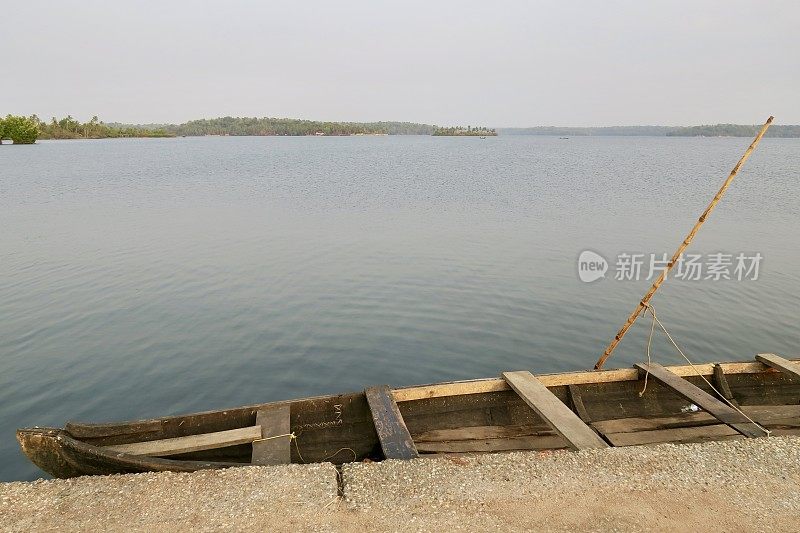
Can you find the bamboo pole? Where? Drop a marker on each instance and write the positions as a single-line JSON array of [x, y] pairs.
[[657, 283]]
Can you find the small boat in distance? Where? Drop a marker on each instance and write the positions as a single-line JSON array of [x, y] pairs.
[[517, 411]]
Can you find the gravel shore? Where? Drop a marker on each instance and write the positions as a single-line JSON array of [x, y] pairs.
[[742, 485]]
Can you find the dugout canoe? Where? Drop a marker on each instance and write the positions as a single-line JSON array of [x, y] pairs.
[[517, 411]]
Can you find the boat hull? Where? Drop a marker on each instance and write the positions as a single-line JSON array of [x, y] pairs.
[[483, 415]]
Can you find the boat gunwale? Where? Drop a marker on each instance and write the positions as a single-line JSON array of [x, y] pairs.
[[483, 385], [447, 388], [68, 443]]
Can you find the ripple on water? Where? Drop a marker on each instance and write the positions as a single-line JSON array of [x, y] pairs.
[[147, 277]]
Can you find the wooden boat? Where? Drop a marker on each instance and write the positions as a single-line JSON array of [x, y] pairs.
[[518, 411]]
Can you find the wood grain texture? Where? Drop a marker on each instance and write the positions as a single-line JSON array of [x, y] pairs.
[[92, 431], [676, 435], [507, 444], [635, 424], [770, 416], [480, 433], [396, 441], [724, 413], [779, 363], [192, 443], [566, 423], [276, 448], [477, 386], [721, 384], [577, 403]]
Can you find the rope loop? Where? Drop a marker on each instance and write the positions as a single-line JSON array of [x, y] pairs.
[[652, 310]]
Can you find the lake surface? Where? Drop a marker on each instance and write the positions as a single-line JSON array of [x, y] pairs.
[[141, 278]]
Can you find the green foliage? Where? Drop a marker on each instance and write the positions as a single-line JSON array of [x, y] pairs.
[[21, 130], [719, 130], [288, 126], [734, 130], [69, 128], [469, 131]]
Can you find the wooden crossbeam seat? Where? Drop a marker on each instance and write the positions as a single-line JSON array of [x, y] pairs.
[[479, 415], [525, 412], [190, 443]]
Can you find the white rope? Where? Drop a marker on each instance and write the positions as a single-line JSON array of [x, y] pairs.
[[697, 371], [649, 342], [291, 436]]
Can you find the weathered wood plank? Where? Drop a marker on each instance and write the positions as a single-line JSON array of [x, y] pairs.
[[530, 442], [766, 415], [577, 403], [721, 384], [635, 424], [480, 433], [192, 443], [553, 411], [275, 449], [396, 441], [724, 413], [779, 363], [784, 432], [676, 435], [477, 386], [91, 431], [774, 415], [503, 408], [767, 388]]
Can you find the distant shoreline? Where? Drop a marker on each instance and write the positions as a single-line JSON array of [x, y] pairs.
[[69, 128], [715, 130]]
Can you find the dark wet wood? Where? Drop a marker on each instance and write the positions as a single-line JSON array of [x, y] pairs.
[[41, 446], [481, 432], [94, 460], [94, 431], [721, 384], [577, 403], [274, 449], [774, 416], [677, 435], [488, 438], [503, 408], [770, 416], [530, 442], [340, 428], [396, 441], [724, 413], [566, 423], [633, 425], [779, 363], [767, 388]]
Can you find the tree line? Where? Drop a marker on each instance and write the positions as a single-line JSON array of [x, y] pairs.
[[70, 128], [290, 127], [457, 131], [21, 130], [734, 130], [717, 130], [26, 130]]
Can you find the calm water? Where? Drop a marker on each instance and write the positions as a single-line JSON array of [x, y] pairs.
[[141, 278]]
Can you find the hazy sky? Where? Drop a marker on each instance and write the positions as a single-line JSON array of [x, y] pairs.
[[489, 62]]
